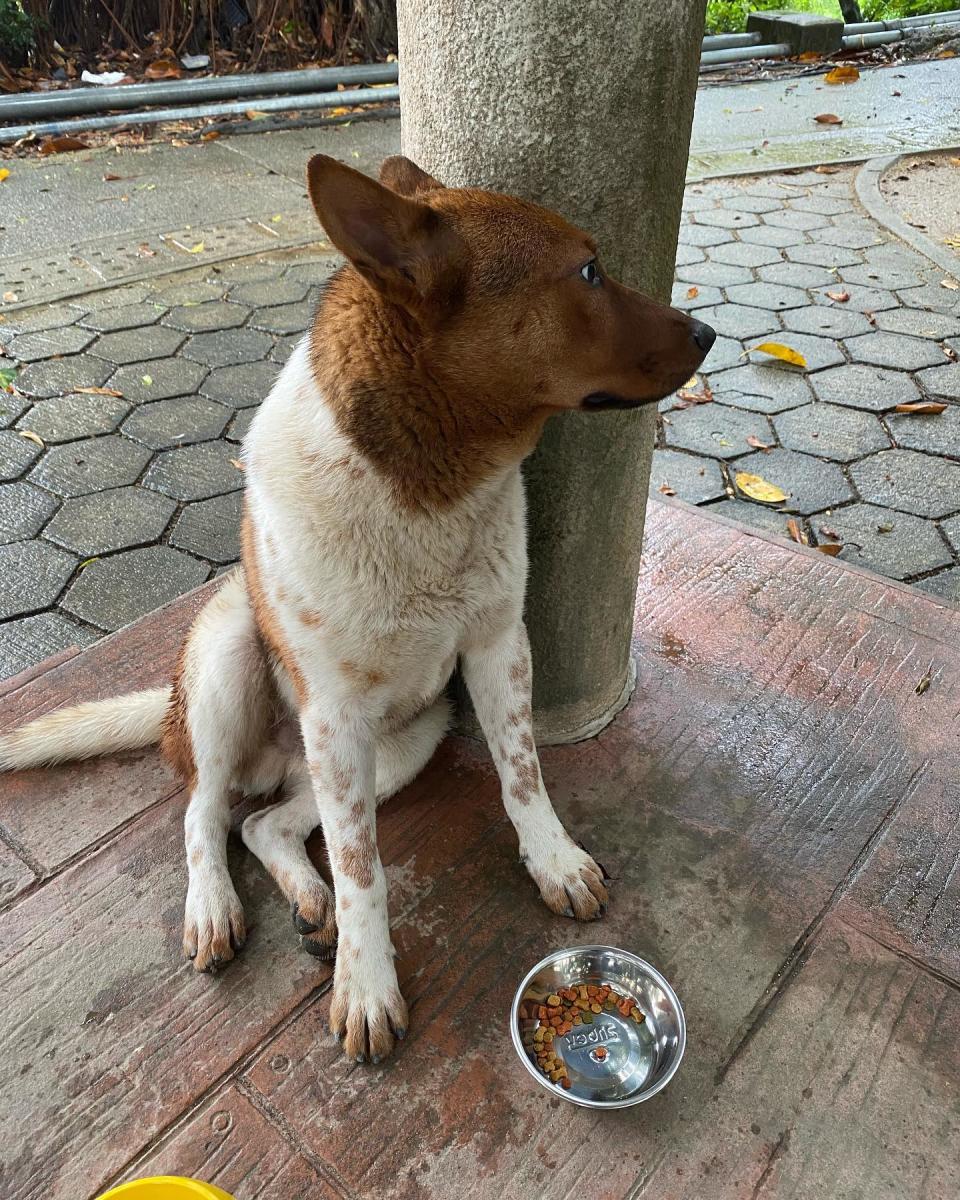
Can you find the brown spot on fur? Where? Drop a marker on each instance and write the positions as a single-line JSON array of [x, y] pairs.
[[361, 678], [176, 744], [527, 742], [307, 617], [356, 859], [358, 812], [263, 613], [345, 902], [520, 672], [196, 858]]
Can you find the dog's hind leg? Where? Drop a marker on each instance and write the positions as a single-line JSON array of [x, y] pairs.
[[276, 835], [218, 719]]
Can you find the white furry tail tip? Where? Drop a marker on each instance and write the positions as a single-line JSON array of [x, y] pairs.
[[87, 730]]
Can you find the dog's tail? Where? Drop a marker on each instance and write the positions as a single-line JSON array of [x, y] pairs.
[[87, 730]]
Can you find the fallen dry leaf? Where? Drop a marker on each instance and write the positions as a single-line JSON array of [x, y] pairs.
[[31, 436], [109, 177], [4, 174], [338, 112], [99, 391], [87, 561], [254, 114], [871, 317], [828, 119], [210, 135], [144, 251], [796, 533], [831, 549], [951, 284], [10, 297], [947, 54], [686, 397], [692, 293], [755, 442], [776, 350], [235, 462], [846, 73], [924, 681], [59, 145], [921, 407], [825, 169], [163, 68], [197, 249], [146, 380], [830, 533], [758, 488], [809, 56], [954, 162], [840, 297]]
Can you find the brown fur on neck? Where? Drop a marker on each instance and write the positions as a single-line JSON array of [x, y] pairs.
[[434, 436]]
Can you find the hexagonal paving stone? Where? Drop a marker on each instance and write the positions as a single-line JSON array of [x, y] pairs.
[[703, 235], [33, 575], [269, 292], [124, 316], [686, 255], [918, 322], [135, 345], [189, 292], [767, 235], [942, 381], [227, 346], [828, 431], [743, 254], [195, 472], [738, 320], [11, 407], [909, 482], [713, 273], [725, 352], [33, 347], [284, 347], [66, 418], [930, 296], [852, 236], [945, 584], [819, 352], [725, 219], [896, 254], [79, 468], [761, 387], [744, 202], [768, 296], [28, 641], [112, 592], [158, 379], [240, 425], [693, 479], [817, 254], [951, 530], [829, 206], [788, 218], [823, 320], [858, 386], [202, 318], [859, 299], [57, 376], [704, 297], [715, 430], [937, 434], [894, 350], [759, 516], [211, 528], [176, 422], [240, 386], [879, 275], [284, 318], [799, 275], [889, 542], [37, 319], [16, 454], [113, 520], [811, 485], [24, 510]]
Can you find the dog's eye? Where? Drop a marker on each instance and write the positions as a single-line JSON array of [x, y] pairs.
[[591, 274]]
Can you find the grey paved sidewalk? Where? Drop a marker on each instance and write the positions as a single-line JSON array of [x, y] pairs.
[[115, 504]]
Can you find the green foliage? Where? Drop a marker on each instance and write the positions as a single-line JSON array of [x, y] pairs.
[[730, 16], [16, 32]]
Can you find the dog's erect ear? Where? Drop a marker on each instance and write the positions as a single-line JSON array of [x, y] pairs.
[[403, 248], [402, 175]]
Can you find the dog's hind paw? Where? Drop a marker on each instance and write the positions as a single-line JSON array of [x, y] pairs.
[[570, 882], [213, 924], [314, 919]]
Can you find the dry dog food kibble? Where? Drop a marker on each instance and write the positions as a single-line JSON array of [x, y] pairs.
[[549, 1018]]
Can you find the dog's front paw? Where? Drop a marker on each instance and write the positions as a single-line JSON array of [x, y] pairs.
[[315, 919], [367, 1012], [570, 882], [213, 922]]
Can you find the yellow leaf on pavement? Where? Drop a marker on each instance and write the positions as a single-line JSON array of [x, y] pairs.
[[197, 249], [4, 174], [31, 436], [758, 488], [784, 353], [843, 74]]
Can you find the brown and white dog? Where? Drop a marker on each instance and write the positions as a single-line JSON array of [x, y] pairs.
[[383, 540]]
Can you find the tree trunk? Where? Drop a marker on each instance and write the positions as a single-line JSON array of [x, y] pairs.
[[585, 108]]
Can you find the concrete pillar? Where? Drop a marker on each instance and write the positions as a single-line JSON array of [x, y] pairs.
[[584, 108]]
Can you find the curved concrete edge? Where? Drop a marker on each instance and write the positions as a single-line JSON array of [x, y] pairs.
[[596, 725], [867, 184]]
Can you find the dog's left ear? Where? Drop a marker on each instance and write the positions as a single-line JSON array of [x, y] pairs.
[[403, 248], [402, 175]]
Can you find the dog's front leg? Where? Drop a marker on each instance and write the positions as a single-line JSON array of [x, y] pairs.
[[499, 677], [367, 1010]]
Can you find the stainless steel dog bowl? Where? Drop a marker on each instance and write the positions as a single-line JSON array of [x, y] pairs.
[[638, 1061]]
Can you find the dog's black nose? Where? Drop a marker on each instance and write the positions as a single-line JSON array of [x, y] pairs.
[[703, 335]]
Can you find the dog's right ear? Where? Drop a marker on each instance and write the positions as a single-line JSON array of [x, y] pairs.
[[402, 247], [401, 174]]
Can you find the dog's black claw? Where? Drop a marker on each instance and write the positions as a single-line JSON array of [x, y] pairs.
[[603, 910], [301, 924], [318, 949], [401, 1033], [375, 1060], [567, 912], [361, 1058]]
